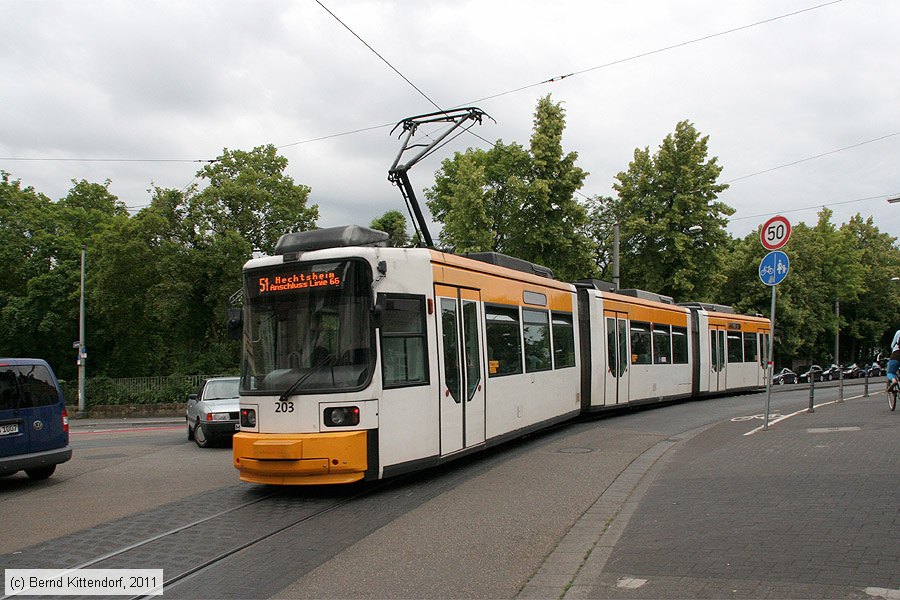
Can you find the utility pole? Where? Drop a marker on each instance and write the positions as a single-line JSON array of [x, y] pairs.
[[82, 350], [615, 256]]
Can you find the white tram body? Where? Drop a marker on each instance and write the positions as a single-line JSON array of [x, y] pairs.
[[362, 362]]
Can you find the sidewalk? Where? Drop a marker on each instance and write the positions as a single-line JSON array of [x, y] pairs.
[[123, 422], [809, 508]]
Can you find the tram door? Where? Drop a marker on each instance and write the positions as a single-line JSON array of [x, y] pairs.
[[617, 357], [716, 358], [462, 368]]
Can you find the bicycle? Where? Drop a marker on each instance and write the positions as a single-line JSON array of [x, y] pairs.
[[893, 390]]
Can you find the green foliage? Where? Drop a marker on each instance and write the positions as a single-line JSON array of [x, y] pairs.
[[560, 239], [394, 224], [491, 200], [502, 170], [672, 227], [852, 264], [249, 193], [157, 283], [40, 242]]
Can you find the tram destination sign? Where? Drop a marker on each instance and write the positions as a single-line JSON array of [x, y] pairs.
[[775, 233], [298, 281]]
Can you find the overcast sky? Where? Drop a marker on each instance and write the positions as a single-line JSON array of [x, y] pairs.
[[151, 81]]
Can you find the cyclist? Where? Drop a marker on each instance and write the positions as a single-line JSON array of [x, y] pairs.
[[893, 365]]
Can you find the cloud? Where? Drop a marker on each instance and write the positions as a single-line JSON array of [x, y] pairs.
[[183, 80]]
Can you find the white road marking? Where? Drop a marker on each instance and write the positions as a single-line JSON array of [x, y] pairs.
[[794, 414], [630, 583], [883, 593]]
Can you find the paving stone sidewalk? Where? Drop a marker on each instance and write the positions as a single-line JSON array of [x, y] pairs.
[[809, 508]]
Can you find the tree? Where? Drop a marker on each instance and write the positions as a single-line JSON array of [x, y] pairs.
[[467, 225], [394, 224], [516, 201], [40, 243], [249, 193], [551, 224], [869, 323], [671, 225], [849, 264], [159, 293], [497, 177]]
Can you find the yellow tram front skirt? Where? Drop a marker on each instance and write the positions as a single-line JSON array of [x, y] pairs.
[[300, 458]]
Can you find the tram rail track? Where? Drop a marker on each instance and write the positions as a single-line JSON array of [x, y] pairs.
[[172, 581], [177, 542]]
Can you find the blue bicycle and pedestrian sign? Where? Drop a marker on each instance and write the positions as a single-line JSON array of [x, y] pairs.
[[774, 267]]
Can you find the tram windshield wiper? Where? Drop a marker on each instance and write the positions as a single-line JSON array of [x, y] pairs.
[[329, 359]]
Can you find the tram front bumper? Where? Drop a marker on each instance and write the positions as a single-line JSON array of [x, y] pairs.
[[301, 458]]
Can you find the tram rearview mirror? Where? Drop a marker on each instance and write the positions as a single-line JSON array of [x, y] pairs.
[[377, 315], [235, 323]]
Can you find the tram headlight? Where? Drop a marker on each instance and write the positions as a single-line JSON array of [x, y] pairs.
[[342, 416], [248, 417]]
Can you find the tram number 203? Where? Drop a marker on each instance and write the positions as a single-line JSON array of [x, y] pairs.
[[284, 407]]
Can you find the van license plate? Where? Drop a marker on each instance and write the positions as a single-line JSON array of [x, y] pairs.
[[9, 429]]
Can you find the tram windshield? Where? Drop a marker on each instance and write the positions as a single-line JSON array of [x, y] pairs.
[[308, 328]]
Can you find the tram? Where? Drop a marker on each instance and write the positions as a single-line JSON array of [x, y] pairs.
[[362, 361]]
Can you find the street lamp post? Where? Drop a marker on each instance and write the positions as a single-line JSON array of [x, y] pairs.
[[615, 260], [82, 351]]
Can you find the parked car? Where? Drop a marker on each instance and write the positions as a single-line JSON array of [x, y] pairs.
[[876, 370], [815, 371], [784, 376], [34, 425], [213, 412], [852, 371], [831, 373]]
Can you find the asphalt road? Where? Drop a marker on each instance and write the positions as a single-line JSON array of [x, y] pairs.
[[481, 527], [114, 472]]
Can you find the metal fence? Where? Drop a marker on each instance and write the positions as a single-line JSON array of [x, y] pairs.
[[134, 390]]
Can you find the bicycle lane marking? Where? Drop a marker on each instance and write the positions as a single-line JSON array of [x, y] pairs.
[[794, 414]]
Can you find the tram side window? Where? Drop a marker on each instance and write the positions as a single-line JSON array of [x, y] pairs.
[[763, 349], [404, 361], [563, 341], [504, 340], [750, 347], [662, 345], [641, 346], [679, 345], [536, 324], [735, 347]]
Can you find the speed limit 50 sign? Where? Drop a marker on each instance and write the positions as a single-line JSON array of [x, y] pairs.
[[775, 233]]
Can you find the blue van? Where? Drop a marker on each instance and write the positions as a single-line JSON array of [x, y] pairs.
[[34, 425]]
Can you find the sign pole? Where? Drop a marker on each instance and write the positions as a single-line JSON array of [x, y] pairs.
[[770, 362], [773, 268]]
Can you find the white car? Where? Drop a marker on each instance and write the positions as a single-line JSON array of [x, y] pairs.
[[214, 412]]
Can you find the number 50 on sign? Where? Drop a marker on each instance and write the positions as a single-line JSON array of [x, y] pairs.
[[775, 233]]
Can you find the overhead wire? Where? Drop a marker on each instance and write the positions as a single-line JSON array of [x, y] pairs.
[[803, 160], [511, 91], [366, 44], [550, 80], [657, 51], [813, 207]]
